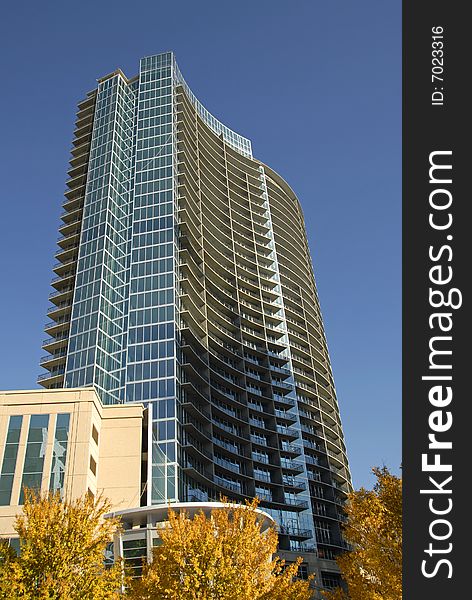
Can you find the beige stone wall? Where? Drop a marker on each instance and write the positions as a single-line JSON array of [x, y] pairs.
[[117, 455]]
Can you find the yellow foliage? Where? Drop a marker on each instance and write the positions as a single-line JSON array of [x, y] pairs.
[[222, 557], [62, 546], [373, 570]]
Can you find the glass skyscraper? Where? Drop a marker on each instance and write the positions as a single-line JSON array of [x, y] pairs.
[[184, 281]]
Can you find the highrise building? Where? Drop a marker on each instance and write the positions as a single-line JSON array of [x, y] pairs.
[[184, 281]]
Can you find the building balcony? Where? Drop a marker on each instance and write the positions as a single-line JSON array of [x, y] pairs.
[[78, 181], [277, 355], [53, 327], [79, 168], [229, 485], [59, 310], [52, 359], [74, 200], [285, 415], [194, 448], [292, 466], [198, 472], [70, 237], [75, 196], [288, 432], [287, 504], [312, 460], [284, 400], [71, 218], [60, 295], [81, 151], [196, 429], [65, 254], [87, 103], [55, 342], [195, 408], [79, 159], [65, 266], [314, 476], [296, 503], [48, 379], [281, 384], [295, 532], [281, 370], [259, 441], [233, 432], [310, 430], [236, 469], [295, 484], [232, 448], [64, 280]]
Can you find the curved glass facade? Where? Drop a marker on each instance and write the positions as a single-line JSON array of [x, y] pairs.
[[185, 282]]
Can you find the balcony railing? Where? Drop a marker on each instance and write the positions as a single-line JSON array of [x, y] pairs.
[[61, 306], [54, 340], [230, 447], [293, 465], [235, 487], [264, 496], [260, 458], [285, 399], [63, 277], [68, 235], [51, 324], [51, 357], [60, 292], [261, 441], [50, 375], [296, 502], [311, 430], [288, 431], [284, 414], [227, 464], [295, 531], [66, 249], [293, 448]]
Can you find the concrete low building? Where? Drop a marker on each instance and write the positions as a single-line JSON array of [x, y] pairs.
[[141, 525], [67, 440]]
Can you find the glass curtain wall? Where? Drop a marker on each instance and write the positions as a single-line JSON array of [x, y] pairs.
[[187, 284]]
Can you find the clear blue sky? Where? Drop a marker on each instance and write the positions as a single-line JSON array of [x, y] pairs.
[[315, 85]]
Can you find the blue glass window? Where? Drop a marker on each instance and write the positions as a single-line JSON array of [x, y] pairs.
[[9, 459], [35, 452], [59, 453]]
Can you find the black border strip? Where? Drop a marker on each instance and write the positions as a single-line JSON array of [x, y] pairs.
[[439, 124]]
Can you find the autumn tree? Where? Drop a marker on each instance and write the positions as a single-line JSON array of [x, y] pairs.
[[7, 554], [62, 551], [373, 569], [224, 556]]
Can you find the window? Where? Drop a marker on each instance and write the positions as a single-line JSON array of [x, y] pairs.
[[329, 580], [59, 453], [35, 451], [261, 474], [93, 465], [94, 434], [263, 493], [134, 554], [9, 459], [303, 571]]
